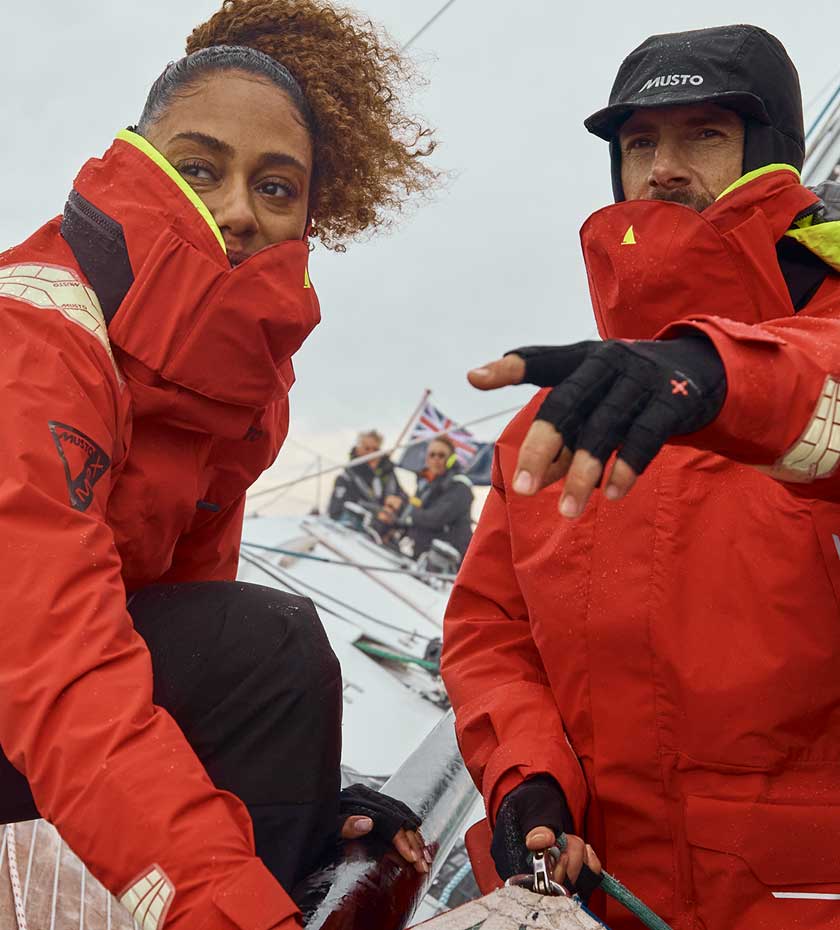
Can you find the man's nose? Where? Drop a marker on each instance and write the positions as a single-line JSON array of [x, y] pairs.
[[234, 212], [669, 170]]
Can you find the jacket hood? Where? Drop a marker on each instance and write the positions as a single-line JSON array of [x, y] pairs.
[[651, 263], [739, 67], [178, 314]]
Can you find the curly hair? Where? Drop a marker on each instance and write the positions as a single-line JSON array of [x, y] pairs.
[[369, 152]]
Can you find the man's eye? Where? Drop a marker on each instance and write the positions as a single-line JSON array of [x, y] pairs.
[[197, 170], [710, 133], [639, 144]]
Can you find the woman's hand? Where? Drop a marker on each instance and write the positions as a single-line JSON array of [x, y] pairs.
[[367, 811], [408, 843]]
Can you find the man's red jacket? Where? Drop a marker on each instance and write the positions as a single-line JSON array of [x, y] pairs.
[[673, 659], [145, 388]]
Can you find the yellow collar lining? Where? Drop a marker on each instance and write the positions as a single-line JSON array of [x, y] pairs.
[[132, 138], [757, 173]]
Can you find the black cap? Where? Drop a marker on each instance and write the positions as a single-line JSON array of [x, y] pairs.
[[741, 67]]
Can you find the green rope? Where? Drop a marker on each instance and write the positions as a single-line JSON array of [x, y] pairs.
[[613, 887], [397, 657]]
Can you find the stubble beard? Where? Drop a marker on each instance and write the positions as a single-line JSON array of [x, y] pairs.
[[696, 200]]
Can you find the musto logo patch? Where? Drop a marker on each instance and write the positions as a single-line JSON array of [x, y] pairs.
[[85, 462]]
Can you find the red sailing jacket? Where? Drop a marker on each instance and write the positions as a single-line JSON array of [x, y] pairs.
[[142, 395], [673, 659]]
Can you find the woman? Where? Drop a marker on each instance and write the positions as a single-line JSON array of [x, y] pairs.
[[149, 334]]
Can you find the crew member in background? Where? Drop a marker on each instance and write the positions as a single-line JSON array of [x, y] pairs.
[[442, 504], [654, 669], [369, 483]]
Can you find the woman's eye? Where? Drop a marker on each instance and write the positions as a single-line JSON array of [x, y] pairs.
[[197, 171], [280, 189]]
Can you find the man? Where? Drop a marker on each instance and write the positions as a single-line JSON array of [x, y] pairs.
[[441, 505], [371, 482], [654, 671]]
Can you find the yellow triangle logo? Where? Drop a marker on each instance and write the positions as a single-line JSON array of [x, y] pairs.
[[306, 281], [629, 237]]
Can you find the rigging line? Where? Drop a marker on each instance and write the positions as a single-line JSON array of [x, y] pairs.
[[14, 877], [313, 452], [286, 586], [54, 905], [29, 863], [379, 453], [270, 571], [82, 899], [309, 470], [427, 24], [414, 573], [822, 90], [831, 101]]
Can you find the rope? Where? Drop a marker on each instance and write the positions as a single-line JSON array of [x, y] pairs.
[[17, 894], [82, 900], [452, 884], [397, 657], [415, 573], [54, 906], [254, 494], [29, 863], [266, 567], [426, 25], [823, 112], [613, 887]]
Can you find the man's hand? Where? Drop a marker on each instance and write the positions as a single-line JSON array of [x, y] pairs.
[[613, 396], [572, 859], [372, 813], [529, 820]]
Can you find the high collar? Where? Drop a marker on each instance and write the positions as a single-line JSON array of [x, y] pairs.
[[180, 318], [651, 263]]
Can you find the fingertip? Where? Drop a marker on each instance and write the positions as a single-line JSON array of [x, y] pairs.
[[569, 507], [539, 838], [524, 482], [477, 376], [592, 859]]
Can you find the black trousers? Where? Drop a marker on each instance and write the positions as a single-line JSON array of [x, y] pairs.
[[249, 676]]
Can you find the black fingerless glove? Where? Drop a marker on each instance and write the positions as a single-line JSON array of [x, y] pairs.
[[389, 815], [537, 802], [630, 396]]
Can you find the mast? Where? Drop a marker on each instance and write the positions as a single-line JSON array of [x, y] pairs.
[[822, 156]]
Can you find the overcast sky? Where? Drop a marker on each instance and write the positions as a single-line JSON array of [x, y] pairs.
[[492, 263]]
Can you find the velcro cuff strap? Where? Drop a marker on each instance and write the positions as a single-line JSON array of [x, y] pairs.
[[587, 882]]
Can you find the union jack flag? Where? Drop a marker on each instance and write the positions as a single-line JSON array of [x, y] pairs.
[[431, 420]]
